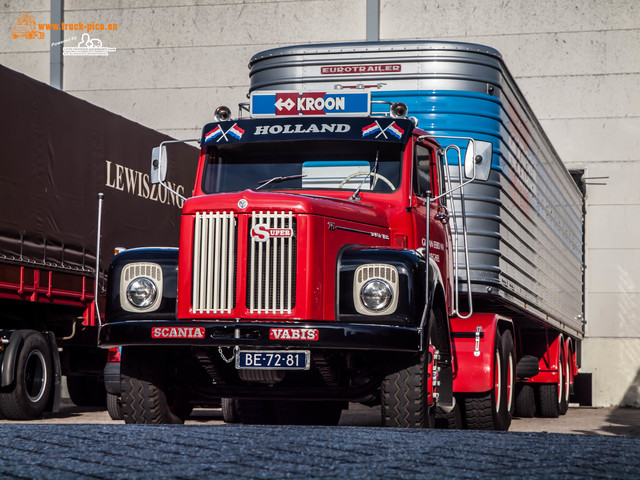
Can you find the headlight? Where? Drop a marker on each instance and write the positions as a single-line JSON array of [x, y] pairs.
[[376, 289], [376, 295], [142, 292]]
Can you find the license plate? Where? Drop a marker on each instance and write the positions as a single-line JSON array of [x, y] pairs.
[[273, 360]]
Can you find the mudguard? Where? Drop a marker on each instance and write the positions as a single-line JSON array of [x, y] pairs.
[[473, 347], [10, 357], [411, 271], [167, 259]]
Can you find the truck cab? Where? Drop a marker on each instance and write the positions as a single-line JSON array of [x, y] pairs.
[[315, 268]]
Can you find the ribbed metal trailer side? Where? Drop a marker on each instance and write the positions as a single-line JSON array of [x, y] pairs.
[[525, 223]]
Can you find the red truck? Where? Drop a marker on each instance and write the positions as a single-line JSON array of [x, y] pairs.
[[415, 249]]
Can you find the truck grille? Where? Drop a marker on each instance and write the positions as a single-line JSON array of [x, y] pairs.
[[214, 262], [271, 263]]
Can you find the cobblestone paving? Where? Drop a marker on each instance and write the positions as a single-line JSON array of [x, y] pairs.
[[35, 451]]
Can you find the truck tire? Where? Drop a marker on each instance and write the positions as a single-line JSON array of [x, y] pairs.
[[27, 397], [509, 365], [114, 406], [404, 397], [525, 404], [86, 390], [451, 420], [148, 395], [230, 410], [493, 410], [548, 404], [566, 387], [403, 394]]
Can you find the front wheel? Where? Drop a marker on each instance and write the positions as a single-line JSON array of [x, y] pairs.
[[27, 397], [149, 393], [404, 397]]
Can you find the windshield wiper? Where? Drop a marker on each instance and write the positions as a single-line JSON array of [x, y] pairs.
[[356, 194], [264, 183]]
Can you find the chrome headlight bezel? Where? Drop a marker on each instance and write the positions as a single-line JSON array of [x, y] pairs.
[[149, 274], [376, 295], [142, 292], [371, 280]]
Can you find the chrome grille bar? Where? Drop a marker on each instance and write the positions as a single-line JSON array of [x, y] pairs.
[[270, 283], [214, 262]]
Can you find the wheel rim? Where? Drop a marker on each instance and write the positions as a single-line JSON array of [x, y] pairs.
[[497, 381], [510, 382], [560, 381], [35, 376], [567, 382]]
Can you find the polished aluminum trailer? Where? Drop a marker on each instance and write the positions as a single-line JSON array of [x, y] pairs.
[[525, 225]]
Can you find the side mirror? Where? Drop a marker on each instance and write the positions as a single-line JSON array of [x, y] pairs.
[[477, 161], [158, 164]]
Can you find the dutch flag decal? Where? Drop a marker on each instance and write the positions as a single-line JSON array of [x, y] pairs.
[[371, 129], [236, 131], [395, 130], [216, 132]]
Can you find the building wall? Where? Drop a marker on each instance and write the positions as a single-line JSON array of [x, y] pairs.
[[575, 60]]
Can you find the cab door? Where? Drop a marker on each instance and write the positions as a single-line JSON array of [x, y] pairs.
[[428, 183]]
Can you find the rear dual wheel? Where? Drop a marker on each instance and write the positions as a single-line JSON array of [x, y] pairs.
[[494, 409], [553, 398]]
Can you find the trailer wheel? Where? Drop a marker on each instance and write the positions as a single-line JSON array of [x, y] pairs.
[[148, 394], [548, 404], [230, 410], [509, 365], [525, 401], [28, 396], [493, 410], [114, 406], [566, 386]]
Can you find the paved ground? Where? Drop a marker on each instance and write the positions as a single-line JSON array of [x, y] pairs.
[[578, 420], [597, 443]]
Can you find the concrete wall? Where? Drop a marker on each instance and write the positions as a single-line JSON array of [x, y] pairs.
[[575, 60]]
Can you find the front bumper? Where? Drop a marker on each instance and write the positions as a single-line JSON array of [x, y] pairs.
[[257, 335]]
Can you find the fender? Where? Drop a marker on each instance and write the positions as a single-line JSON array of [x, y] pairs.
[[410, 266], [167, 259], [10, 358], [550, 360], [473, 347], [56, 391]]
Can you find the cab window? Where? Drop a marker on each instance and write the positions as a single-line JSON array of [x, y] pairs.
[[421, 171]]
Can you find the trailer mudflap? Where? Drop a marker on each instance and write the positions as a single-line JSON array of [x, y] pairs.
[[307, 335]]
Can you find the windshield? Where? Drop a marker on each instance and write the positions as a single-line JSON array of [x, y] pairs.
[[304, 165]]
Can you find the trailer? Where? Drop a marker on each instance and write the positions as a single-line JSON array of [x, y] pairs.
[[388, 225], [61, 158]]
